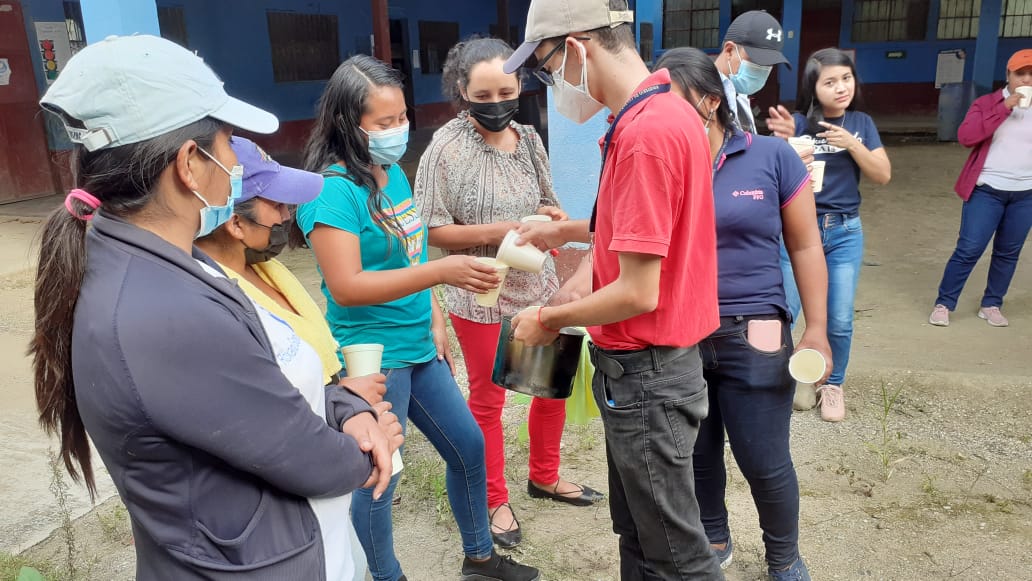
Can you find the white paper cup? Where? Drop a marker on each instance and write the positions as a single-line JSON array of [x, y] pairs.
[[817, 175], [807, 366], [396, 463], [362, 359], [1026, 97], [527, 257], [490, 299], [800, 143], [536, 218]]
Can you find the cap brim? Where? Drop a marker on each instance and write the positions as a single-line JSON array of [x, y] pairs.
[[520, 56], [767, 57], [293, 186], [247, 117]]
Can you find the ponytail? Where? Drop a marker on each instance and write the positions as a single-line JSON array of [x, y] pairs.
[[62, 265]]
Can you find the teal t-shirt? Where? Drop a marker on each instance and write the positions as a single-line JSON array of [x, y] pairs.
[[401, 326]]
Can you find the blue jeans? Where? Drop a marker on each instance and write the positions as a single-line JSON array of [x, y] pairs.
[[427, 395], [750, 396], [843, 238], [652, 403], [1003, 217]]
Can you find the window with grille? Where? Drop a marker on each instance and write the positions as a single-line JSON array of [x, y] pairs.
[[435, 40], [958, 19], [646, 42], [886, 20], [305, 47], [73, 20], [691, 23], [172, 24], [1017, 19]]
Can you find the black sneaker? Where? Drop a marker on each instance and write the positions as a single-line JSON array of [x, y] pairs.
[[497, 568]]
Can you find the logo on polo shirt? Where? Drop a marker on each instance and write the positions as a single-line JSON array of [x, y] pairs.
[[754, 194]]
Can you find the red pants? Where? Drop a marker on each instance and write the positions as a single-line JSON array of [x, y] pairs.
[[547, 416]]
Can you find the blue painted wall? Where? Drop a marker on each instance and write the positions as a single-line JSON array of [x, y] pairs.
[[921, 56]]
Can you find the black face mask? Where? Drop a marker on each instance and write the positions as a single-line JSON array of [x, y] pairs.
[[278, 235], [494, 117]]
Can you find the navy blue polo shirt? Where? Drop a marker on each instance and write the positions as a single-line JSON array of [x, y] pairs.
[[840, 193], [756, 177]]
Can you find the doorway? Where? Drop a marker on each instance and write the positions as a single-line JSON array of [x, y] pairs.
[[401, 59], [26, 171]]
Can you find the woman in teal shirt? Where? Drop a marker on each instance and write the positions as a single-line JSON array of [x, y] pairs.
[[370, 245]]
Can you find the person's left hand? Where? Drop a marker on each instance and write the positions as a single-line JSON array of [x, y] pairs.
[[807, 156], [781, 123], [389, 424], [443, 345], [819, 342], [553, 212], [371, 388], [838, 136], [526, 328]]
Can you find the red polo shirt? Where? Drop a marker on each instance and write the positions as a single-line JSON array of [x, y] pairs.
[[656, 197]]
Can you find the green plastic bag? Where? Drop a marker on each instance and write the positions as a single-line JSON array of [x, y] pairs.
[[581, 407]]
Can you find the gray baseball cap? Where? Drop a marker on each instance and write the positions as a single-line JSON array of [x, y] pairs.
[[552, 18], [128, 89]]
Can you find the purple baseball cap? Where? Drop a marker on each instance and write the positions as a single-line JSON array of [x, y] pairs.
[[267, 179]]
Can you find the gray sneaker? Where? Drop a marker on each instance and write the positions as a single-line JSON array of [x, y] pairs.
[[940, 316], [993, 316], [805, 397]]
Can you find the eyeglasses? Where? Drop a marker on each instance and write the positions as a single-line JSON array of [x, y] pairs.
[[548, 78]]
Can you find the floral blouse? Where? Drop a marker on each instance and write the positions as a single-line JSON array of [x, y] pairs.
[[463, 180]]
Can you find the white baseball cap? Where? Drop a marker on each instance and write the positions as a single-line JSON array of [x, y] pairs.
[[128, 89], [552, 18]]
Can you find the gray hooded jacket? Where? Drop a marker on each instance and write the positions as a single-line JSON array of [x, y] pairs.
[[211, 448]]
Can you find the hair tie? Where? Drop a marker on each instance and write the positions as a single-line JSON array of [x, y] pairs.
[[86, 198]]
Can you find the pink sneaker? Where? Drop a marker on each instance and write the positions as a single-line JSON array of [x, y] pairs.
[[993, 316], [940, 316], [833, 406]]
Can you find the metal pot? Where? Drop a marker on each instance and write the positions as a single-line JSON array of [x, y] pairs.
[[545, 371]]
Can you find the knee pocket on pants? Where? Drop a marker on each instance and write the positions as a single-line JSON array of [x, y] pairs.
[[684, 417]]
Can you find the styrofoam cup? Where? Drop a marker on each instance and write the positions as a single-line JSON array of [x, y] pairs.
[[527, 257], [817, 175], [490, 299], [1026, 97], [362, 359], [396, 463], [800, 143], [807, 366], [536, 218]]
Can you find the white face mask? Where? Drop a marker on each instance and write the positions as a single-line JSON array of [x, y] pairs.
[[574, 102]]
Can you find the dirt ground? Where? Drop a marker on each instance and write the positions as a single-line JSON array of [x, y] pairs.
[[935, 483]]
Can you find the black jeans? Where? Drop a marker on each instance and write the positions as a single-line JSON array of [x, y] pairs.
[[750, 394], [652, 404]]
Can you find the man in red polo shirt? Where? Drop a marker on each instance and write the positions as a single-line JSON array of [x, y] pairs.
[[654, 277]]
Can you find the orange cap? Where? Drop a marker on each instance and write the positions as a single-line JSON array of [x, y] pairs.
[[1020, 60]]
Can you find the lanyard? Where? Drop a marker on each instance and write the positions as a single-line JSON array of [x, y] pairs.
[[635, 100]]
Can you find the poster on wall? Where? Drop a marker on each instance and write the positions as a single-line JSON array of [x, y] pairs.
[[950, 67], [5, 72], [54, 48]]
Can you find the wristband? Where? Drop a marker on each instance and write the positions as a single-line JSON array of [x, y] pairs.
[[543, 326]]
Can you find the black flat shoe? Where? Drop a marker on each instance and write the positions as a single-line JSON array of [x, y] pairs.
[[586, 496], [507, 539]]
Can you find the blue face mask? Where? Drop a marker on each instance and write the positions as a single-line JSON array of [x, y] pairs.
[[750, 77], [214, 216], [387, 146]]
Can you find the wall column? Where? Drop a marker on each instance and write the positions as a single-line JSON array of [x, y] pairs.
[[381, 31], [504, 23], [792, 25], [103, 18], [984, 69]]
